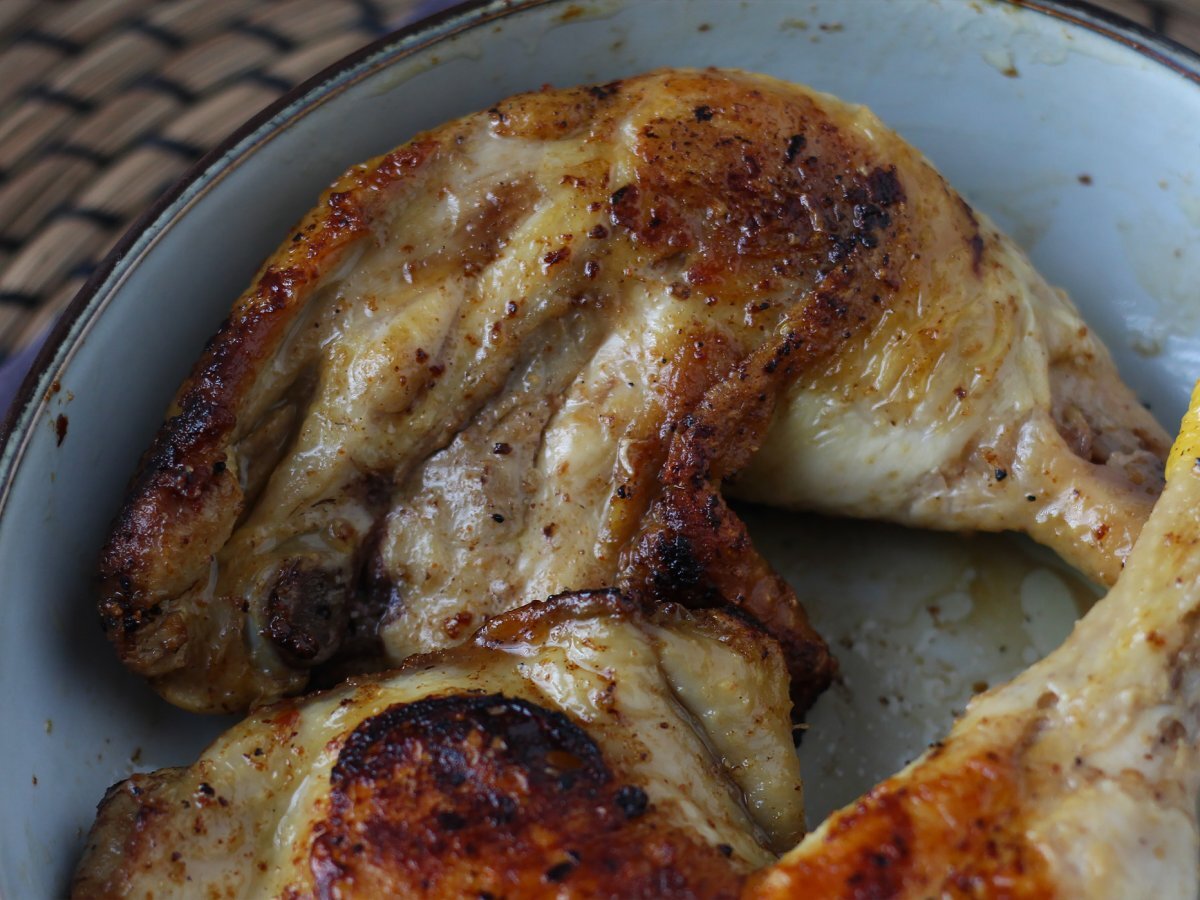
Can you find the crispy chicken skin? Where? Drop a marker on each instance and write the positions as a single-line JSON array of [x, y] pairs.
[[991, 410], [1077, 779], [523, 353], [573, 747]]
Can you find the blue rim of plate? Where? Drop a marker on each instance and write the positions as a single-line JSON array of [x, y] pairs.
[[74, 323]]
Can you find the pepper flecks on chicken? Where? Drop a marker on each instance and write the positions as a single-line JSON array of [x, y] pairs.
[[648, 307], [573, 747]]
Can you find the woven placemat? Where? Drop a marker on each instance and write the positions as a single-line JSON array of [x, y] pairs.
[[104, 103]]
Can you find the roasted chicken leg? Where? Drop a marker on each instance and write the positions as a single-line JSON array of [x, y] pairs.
[[573, 747], [522, 354], [1077, 779]]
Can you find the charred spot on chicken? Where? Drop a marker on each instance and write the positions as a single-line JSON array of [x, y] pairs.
[[646, 308], [576, 745]]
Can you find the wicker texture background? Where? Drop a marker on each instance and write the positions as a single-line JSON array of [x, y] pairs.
[[104, 103]]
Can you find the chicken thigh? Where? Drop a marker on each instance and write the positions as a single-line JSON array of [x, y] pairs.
[[523, 353], [998, 411], [573, 747], [579, 747], [1077, 779]]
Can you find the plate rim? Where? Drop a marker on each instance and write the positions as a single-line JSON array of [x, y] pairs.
[[1159, 48], [64, 337]]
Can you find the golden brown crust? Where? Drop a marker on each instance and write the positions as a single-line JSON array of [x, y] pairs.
[[573, 747], [184, 500], [943, 831], [132, 808], [761, 211], [693, 549], [627, 287], [495, 796]]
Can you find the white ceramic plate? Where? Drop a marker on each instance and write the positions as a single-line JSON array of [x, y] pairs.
[[1077, 135]]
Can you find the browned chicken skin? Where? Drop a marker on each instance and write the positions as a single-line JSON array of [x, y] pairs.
[[1079, 778], [572, 748], [523, 353]]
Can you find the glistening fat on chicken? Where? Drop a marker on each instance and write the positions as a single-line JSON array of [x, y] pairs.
[[581, 748], [1078, 778], [575, 744], [525, 352]]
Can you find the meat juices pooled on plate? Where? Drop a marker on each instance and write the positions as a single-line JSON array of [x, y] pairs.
[[526, 352]]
